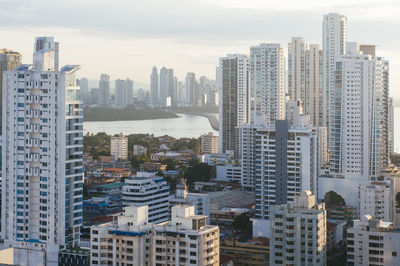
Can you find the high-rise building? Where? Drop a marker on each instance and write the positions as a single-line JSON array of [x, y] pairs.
[[334, 36], [298, 232], [234, 100], [267, 84], [154, 93], [119, 147], [209, 143], [164, 86], [104, 86], [359, 142], [42, 158], [378, 200], [125, 241], [373, 242], [297, 70], [147, 188], [84, 90], [8, 61], [191, 89], [278, 162], [120, 93], [129, 91], [185, 240]]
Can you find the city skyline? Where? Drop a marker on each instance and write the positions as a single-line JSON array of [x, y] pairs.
[[138, 42]]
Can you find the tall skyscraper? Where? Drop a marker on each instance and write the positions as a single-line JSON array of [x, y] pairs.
[[190, 89], [267, 84], [164, 86], [359, 129], [334, 36], [104, 86], [120, 93], [42, 173], [154, 87], [84, 90], [8, 61], [305, 79], [129, 90], [234, 101]]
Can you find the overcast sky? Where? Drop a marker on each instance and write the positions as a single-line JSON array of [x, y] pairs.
[[126, 38]]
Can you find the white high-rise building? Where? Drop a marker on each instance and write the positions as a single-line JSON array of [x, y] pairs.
[[129, 91], [359, 131], [185, 240], [154, 92], [42, 158], [378, 200], [373, 242], [191, 89], [120, 93], [84, 90], [146, 188], [334, 36], [104, 87], [119, 147], [125, 241], [278, 162], [234, 100], [298, 232], [267, 84], [209, 143]]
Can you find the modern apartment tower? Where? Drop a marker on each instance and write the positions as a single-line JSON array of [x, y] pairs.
[[234, 100], [154, 87], [359, 136], [190, 89], [123, 93], [104, 86], [42, 158], [334, 36], [267, 84]]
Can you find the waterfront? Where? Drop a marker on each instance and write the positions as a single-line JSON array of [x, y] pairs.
[[191, 126]]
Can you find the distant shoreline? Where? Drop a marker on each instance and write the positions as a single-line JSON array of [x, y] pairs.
[[109, 114]]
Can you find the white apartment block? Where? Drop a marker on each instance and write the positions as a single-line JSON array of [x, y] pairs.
[[231, 172], [119, 147], [209, 143], [139, 150], [298, 232], [334, 36], [267, 84], [373, 242], [359, 143], [234, 100], [124, 241], [148, 189], [200, 202], [278, 162], [378, 200], [185, 240], [42, 180]]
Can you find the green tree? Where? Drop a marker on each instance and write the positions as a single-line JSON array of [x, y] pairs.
[[333, 198], [243, 226], [198, 172]]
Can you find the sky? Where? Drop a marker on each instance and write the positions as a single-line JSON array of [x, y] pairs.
[[125, 38]]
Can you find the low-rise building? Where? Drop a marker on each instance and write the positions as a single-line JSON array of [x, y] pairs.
[[229, 172], [252, 252], [209, 143], [341, 213], [298, 232], [373, 242], [146, 188], [139, 150], [152, 167], [185, 240]]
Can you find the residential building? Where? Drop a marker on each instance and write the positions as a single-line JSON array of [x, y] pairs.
[[8, 61], [119, 146], [148, 189], [359, 143], [267, 84], [154, 93], [124, 241], [334, 37], [129, 92], [185, 240], [42, 158], [84, 90], [298, 232], [104, 87], [378, 200], [231, 172], [139, 150], [209, 143], [373, 242], [201, 202], [234, 100], [123, 93], [191, 90]]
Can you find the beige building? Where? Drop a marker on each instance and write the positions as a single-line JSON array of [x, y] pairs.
[[185, 240], [209, 143], [373, 242], [119, 147], [298, 232]]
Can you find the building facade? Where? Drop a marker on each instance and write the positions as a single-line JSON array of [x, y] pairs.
[[298, 232], [42, 157], [209, 143], [119, 147], [154, 87]]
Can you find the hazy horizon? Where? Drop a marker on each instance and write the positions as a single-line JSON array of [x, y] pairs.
[[125, 39]]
